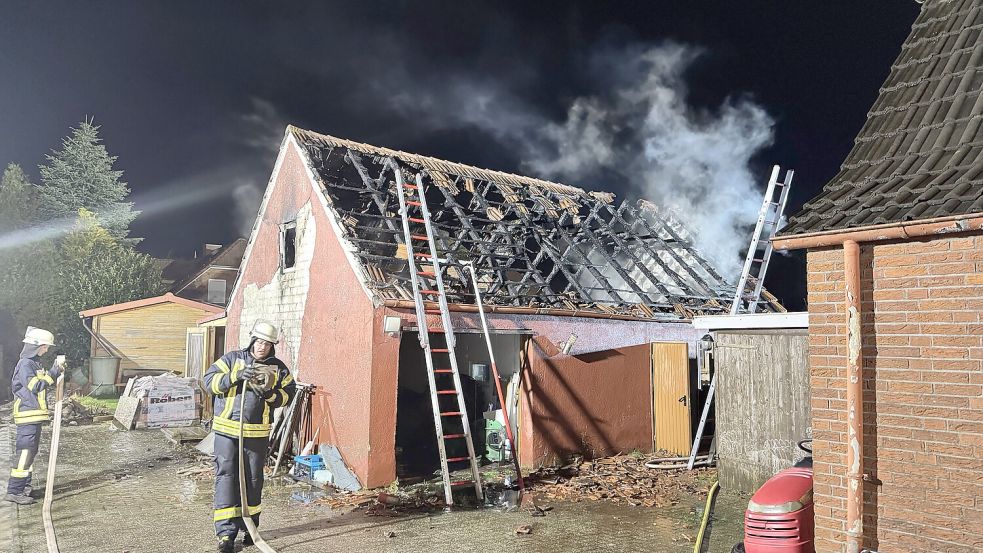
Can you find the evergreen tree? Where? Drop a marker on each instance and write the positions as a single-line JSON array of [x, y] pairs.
[[17, 203], [28, 278], [81, 176]]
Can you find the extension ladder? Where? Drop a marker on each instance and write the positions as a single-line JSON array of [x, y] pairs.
[[750, 285], [759, 253], [449, 410]]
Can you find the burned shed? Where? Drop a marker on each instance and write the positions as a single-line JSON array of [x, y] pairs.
[[577, 288]]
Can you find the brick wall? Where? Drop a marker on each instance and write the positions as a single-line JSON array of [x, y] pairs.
[[923, 394]]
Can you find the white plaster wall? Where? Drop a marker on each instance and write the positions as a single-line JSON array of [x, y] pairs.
[[282, 301]]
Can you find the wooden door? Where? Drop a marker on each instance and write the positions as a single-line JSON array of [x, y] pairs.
[[671, 397]]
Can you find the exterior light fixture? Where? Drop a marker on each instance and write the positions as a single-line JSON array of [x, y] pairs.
[[391, 325]]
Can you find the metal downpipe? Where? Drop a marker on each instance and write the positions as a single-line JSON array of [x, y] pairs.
[[854, 398]]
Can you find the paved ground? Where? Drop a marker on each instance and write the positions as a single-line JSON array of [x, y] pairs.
[[120, 492]]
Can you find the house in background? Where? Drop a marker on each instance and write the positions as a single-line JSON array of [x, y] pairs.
[[213, 278], [209, 276], [588, 301], [895, 281]]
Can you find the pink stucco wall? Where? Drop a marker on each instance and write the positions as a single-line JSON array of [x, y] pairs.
[[335, 343]]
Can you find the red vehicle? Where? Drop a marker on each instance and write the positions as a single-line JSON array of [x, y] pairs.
[[779, 517]]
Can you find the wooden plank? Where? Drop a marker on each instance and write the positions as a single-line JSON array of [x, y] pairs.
[[184, 434], [49, 484], [762, 377], [671, 397]]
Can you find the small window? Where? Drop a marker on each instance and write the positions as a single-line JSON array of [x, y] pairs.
[[288, 245], [216, 291]]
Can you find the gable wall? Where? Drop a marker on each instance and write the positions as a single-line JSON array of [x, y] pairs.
[[324, 315]]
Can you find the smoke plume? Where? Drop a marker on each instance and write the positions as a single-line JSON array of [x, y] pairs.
[[637, 131]]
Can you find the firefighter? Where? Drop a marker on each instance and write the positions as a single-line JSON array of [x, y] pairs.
[[242, 372], [29, 383]]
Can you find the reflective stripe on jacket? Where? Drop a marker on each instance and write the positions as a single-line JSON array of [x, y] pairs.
[[29, 384], [222, 381]]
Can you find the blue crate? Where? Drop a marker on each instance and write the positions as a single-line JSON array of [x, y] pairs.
[[305, 465]]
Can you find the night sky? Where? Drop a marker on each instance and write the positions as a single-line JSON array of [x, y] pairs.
[[193, 96]]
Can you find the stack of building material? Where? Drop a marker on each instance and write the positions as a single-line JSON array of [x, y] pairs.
[[163, 401]]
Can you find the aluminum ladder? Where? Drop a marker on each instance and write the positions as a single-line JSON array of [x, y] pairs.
[[444, 380], [759, 253], [750, 285]]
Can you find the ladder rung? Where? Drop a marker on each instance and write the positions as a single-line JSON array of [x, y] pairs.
[[416, 220], [410, 186], [450, 413], [425, 273], [410, 202], [432, 311], [418, 237], [462, 483], [426, 255], [443, 371], [440, 350], [446, 392], [453, 436], [431, 292], [457, 459]]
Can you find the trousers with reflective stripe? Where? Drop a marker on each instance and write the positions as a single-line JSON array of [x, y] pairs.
[[228, 512], [26, 448]]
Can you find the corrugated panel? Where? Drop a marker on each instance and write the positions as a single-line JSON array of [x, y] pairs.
[[670, 380]]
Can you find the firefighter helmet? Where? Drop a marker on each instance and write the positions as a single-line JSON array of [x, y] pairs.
[[265, 331], [38, 337]]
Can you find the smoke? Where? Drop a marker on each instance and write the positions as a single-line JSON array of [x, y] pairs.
[[637, 131], [246, 197]]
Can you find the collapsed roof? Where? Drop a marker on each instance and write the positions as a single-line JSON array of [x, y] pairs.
[[534, 243]]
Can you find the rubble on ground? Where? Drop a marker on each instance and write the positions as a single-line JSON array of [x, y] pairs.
[[73, 412], [620, 479]]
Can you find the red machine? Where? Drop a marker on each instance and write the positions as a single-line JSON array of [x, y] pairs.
[[779, 517]]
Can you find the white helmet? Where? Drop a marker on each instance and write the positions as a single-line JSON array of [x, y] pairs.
[[38, 337], [265, 331]]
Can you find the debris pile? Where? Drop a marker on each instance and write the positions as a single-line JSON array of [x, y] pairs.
[[73, 413], [619, 479]]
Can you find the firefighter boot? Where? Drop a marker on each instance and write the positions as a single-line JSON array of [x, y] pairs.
[[226, 544], [19, 499]]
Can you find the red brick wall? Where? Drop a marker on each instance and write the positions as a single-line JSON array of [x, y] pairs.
[[923, 394]]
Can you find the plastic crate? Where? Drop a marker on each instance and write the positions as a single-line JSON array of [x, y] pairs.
[[305, 465]]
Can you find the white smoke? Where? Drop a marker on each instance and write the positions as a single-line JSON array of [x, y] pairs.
[[246, 197], [260, 132], [638, 128]]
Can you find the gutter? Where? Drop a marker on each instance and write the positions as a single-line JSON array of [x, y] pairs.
[[851, 240], [891, 231], [410, 304]]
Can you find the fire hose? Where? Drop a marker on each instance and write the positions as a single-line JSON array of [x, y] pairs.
[[49, 483], [247, 519], [698, 546]]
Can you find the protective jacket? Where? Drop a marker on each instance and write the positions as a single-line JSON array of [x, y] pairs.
[[222, 380], [29, 383]]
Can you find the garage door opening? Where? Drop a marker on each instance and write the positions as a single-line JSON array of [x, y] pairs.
[[416, 439]]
